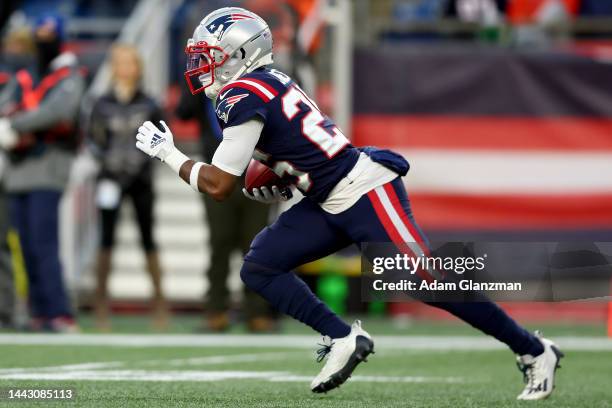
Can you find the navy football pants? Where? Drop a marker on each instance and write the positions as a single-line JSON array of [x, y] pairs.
[[306, 232]]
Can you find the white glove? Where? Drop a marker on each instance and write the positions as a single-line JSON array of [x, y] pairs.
[[155, 142], [263, 195], [8, 137]]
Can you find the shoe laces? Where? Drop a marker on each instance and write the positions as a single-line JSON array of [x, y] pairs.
[[324, 350], [528, 371]]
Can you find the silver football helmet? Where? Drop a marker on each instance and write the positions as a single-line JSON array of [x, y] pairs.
[[228, 43]]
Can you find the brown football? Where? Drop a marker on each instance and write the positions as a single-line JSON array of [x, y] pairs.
[[259, 175]]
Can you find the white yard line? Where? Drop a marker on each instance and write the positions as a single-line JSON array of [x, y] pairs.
[[124, 371], [142, 375], [204, 376], [67, 367], [99, 371], [472, 343], [193, 361]]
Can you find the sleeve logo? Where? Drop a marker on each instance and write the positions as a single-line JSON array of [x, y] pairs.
[[225, 106]]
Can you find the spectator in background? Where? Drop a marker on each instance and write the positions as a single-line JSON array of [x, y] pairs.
[[17, 53], [41, 140], [124, 172]]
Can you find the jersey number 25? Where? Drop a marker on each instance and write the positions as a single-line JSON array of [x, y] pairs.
[[330, 144]]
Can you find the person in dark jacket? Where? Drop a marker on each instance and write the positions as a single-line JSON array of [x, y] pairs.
[[17, 53], [124, 173], [40, 138]]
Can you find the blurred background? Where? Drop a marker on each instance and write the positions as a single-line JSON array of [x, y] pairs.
[[502, 107]]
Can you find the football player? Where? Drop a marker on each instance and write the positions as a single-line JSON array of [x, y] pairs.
[[351, 195]]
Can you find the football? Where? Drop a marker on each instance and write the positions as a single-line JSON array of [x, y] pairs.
[[259, 175]]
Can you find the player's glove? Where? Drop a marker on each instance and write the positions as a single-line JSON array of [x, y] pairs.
[[8, 137], [154, 141], [264, 195]]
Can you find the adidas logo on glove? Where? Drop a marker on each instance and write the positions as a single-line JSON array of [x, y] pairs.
[[157, 139]]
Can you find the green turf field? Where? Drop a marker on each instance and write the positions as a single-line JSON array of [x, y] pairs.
[[420, 365]]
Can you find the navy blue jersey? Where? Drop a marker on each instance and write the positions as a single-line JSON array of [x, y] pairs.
[[297, 140]]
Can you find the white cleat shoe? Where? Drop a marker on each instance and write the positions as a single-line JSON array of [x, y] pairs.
[[539, 372], [343, 355]]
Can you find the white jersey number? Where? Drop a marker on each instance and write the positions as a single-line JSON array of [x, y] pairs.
[[330, 144], [283, 168]]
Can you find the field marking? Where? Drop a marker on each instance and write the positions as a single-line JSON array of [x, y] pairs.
[[142, 375], [191, 361], [445, 343], [67, 367], [125, 371], [206, 376]]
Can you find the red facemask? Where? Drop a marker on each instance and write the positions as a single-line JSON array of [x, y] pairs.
[[201, 65]]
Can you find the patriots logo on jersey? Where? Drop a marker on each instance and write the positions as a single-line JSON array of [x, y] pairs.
[[224, 107], [219, 25]]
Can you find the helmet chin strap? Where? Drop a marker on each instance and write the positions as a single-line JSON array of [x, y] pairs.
[[213, 90], [265, 60], [247, 65]]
